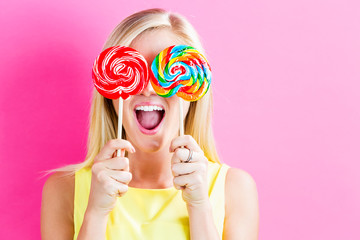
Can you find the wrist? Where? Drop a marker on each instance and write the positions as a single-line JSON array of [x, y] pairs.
[[93, 213], [201, 221], [96, 212], [199, 205], [93, 225]]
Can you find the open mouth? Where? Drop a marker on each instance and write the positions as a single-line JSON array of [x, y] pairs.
[[149, 117]]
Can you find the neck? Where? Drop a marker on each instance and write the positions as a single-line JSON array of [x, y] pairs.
[[151, 169]]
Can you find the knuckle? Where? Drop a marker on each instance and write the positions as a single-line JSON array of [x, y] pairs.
[[108, 186], [121, 162], [174, 168], [173, 159], [203, 168], [130, 175], [126, 143], [199, 179], [101, 176], [112, 143], [123, 188], [176, 180], [125, 161], [127, 176], [96, 167], [187, 137], [178, 153]]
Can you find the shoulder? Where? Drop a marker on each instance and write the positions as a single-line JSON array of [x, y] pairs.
[[57, 206], [240, 185], [241, 205], [59, 187], [238, 178]]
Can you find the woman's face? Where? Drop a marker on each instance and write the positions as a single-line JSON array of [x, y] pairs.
[[151, 121]]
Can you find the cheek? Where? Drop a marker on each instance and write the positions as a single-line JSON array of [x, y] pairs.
[[173, 107], [173, 103], [127, 112]]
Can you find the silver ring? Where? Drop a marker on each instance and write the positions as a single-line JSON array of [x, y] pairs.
[[190, 156]]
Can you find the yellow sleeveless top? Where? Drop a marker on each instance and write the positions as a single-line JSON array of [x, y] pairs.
[[151, 213]]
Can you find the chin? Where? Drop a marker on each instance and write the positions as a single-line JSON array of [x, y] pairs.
[[150, 144]]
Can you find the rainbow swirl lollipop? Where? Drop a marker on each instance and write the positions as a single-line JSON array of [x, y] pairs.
[[120, 72], [181, 70]]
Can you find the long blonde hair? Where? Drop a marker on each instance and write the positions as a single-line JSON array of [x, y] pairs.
[[103, 118]]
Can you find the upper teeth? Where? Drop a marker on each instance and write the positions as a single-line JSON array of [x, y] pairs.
[[149, 108]]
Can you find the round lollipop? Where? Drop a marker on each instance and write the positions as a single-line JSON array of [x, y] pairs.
[[181, 70], [119, 72]]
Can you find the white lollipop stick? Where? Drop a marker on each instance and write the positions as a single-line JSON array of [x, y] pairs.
[[181, 119], [120, 152]]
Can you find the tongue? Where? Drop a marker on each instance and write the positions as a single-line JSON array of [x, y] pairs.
[[148, 119]]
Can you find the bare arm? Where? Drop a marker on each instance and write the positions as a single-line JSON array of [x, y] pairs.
[[241, 206], [57, 207], [57, 222], [201, 222], [94, 226], [191, 178]]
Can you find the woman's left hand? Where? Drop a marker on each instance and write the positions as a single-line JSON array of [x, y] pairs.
[[190, 177]]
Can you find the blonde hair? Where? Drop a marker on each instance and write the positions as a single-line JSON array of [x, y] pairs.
[[103, 118]]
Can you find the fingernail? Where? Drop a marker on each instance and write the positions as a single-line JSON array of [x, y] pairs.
[[133, 149]]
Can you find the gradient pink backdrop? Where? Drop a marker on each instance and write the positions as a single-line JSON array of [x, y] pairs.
[[286, 82]]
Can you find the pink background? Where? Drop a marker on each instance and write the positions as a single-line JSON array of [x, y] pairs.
[[286, 82]]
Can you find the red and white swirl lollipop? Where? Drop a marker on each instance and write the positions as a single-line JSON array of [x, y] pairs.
[[119, 72]]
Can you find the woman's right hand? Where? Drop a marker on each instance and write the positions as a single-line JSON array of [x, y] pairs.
[[110, 176]]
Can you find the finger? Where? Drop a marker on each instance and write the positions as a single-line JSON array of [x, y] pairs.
[[120, 176], [117, 163], [111, 146], [115, 188], [186, 141], [184, 168], [182, 154], [188, 181]]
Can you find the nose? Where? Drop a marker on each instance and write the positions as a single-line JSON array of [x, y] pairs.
[[148, 90]]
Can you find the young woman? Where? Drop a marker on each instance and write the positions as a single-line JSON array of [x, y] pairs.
[[167, 186]]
